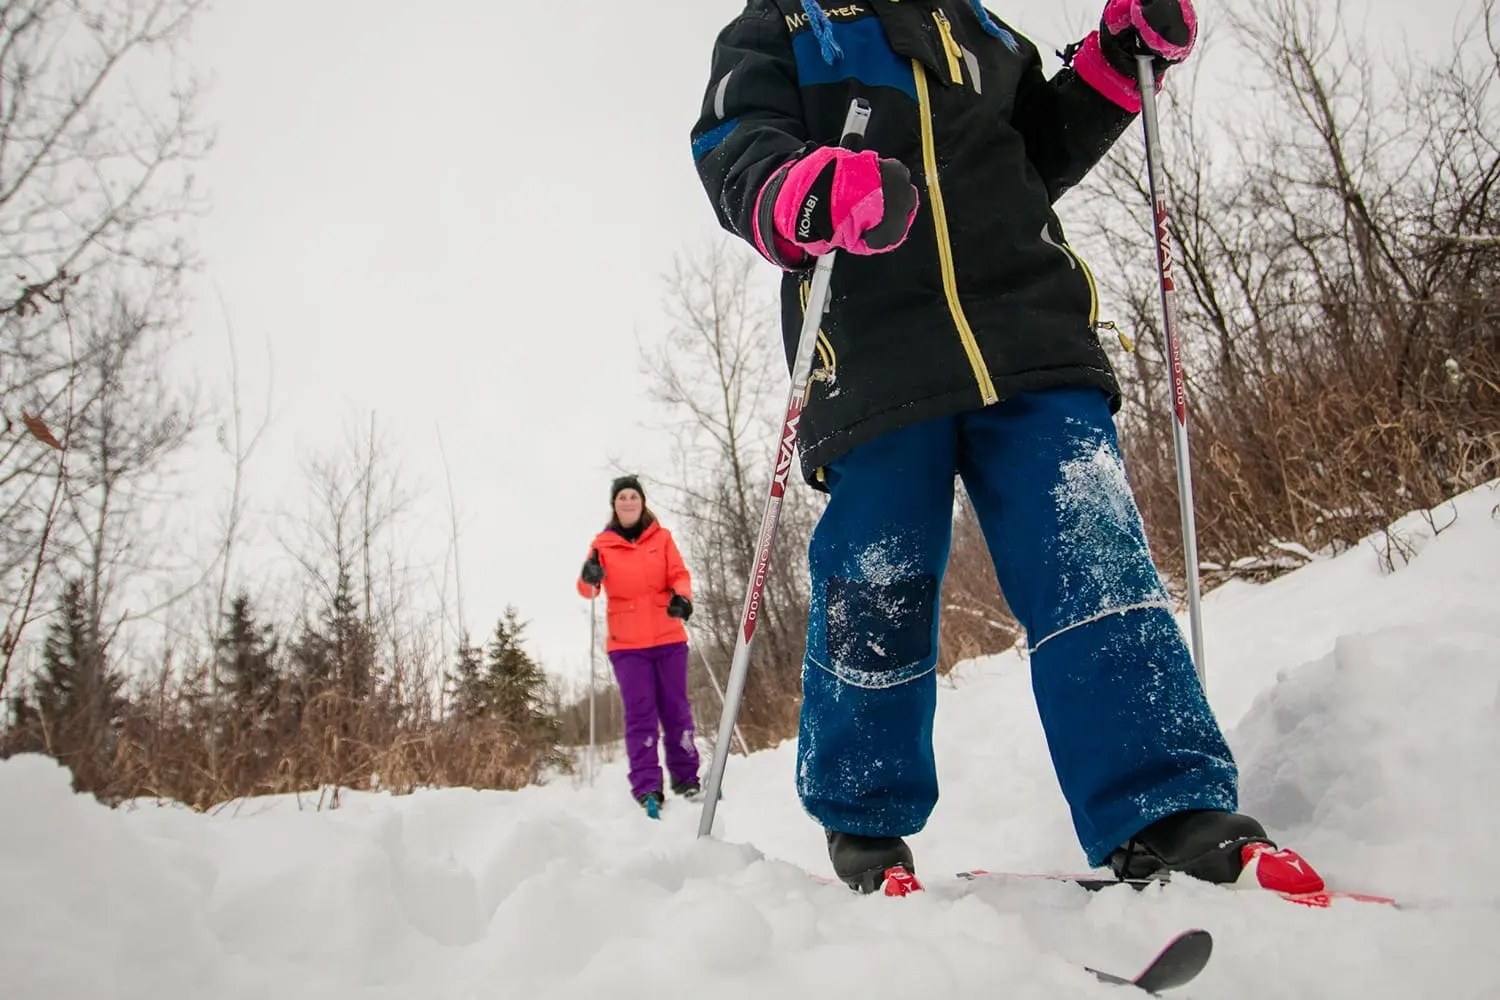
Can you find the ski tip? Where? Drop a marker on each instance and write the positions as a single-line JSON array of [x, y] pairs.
[[1194, 940], [1176, 965], [1179, 963]]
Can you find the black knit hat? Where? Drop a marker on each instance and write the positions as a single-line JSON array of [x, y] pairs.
[[625, 483]]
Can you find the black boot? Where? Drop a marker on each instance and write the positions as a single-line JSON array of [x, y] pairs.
[[689, 789], [861, 862], [1204, 843]]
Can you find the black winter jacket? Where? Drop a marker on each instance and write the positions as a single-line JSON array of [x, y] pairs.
[[985, 299]]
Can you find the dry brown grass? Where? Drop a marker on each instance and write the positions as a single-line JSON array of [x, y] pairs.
[[329, 742]]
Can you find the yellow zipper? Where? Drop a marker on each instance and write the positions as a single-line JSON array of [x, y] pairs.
[[950, 46], [945, 248], [825, 353], [1093, 288], [825, 350]]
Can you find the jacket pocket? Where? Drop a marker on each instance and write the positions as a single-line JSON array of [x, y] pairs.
[[620, 617], [1078, 265]]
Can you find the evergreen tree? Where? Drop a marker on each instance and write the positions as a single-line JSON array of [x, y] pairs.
[[351, 643], [472, 695], [247, 665], [517, 685], [76, 697], [312, 667], [338, 653]]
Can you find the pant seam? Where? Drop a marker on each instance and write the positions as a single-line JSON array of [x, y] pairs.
[[905, 678], [1099, 616]]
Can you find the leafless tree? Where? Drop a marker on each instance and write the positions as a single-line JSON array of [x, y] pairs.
[[1337, 260], [350, 547], [238, 440], [94, 142], [98, 135], [720, 373], [96, 511], [122, 439]]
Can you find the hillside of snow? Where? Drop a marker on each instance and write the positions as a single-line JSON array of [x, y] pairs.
[[1363, 705]]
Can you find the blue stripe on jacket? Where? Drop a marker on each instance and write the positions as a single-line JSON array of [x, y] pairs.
[[868, 58]]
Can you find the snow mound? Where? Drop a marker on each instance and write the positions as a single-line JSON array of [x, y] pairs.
[[1361, 696], [88, 903]]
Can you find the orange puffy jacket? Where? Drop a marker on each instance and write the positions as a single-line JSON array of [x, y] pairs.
[[640, 577]]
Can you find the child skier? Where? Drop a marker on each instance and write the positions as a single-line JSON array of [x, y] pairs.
[[959, 339]]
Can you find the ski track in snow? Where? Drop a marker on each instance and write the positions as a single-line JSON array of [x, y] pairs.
[[1363, 706]]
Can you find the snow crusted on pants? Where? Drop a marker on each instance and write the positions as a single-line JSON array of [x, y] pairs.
[[1130, 732]]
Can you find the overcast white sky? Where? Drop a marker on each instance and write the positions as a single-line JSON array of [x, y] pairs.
[[457, 214]]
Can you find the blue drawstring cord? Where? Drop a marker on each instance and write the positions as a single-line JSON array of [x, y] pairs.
[[991, 28], [823, 29]]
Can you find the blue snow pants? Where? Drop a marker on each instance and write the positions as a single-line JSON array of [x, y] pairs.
[[1130, 732]]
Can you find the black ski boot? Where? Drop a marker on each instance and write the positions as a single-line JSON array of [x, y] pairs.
[[1204, 843], [690, 789], [861, 862]]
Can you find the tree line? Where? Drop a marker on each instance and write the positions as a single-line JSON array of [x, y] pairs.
[[1338, 255]]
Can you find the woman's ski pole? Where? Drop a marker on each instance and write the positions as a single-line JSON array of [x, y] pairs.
[[593, 656], [744, 747]]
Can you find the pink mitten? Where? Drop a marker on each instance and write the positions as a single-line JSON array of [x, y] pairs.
[[1165, 30], [837, 198]]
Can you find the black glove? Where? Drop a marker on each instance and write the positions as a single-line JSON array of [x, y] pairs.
[[1170, 28], [593, 570], [679, 607]]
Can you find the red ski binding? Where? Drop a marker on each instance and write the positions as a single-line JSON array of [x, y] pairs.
[[900, 882], [1284, 871]]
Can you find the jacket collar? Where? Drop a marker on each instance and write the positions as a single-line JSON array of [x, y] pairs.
[[609, 537]]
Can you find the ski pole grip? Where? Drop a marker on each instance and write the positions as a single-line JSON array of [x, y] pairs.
[[854, 124]]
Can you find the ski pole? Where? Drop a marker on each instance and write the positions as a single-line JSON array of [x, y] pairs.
[[593, 657], [744, 747], [852, 138], [1146, 80]]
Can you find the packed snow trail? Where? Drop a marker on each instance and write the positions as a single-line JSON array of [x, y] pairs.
[[1363, 705]]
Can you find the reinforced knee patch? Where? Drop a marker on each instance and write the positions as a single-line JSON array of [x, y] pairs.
[[880, 634]]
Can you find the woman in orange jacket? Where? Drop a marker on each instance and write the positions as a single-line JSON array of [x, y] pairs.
[[648, 595]]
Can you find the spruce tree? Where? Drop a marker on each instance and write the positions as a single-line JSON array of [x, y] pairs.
[[472, 692], [350, 644], [247, 665], [336, 653], [518, 685], [76, 697]]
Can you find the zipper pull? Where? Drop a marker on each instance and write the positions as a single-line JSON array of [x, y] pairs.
[[1125, 342], [950, 46]]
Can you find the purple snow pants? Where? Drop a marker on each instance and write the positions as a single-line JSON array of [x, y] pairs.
[[653, 686]]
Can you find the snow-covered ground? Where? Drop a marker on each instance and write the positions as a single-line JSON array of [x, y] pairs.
[[1364, 707]]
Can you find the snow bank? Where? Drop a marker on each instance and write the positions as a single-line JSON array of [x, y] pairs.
[[1362, 704]]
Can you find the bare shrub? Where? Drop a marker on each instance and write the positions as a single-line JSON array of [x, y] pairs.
[[1336, 276]]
